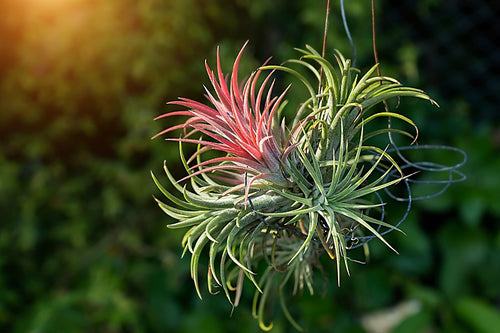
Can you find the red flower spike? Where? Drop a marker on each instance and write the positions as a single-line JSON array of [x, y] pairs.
[[239, 123]]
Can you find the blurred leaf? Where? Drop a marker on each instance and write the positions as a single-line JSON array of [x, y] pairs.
[[420, 322], [464, 254], [478, 315]]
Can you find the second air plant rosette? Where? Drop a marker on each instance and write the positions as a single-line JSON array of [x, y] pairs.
[[281, 194]]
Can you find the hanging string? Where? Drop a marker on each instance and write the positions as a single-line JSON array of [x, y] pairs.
[[374, 39], [325, 32], [325, 37], [348, 33]]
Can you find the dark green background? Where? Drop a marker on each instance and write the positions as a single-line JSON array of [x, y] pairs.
[[83, 247]]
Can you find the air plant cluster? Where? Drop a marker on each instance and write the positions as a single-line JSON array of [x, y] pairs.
[[266, 198]]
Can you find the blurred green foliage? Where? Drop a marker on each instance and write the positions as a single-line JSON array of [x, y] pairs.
[[83, 246]]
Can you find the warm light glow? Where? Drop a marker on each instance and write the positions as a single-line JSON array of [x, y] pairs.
[[50, 5]]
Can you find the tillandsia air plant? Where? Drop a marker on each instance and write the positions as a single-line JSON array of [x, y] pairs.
[[279, 195]]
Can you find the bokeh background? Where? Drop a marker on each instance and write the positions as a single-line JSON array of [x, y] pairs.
[[83, 247]]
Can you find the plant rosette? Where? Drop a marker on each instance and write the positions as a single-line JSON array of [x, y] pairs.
[[267, 200]]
